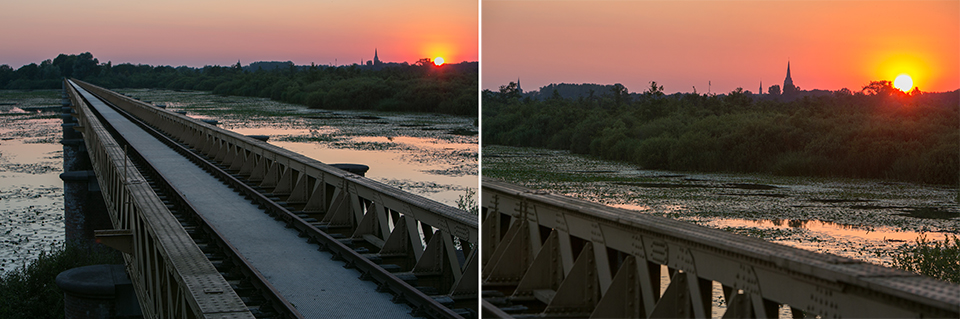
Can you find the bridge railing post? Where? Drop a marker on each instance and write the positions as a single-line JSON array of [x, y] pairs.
[[439, 241], [171, 276], [560, 256]]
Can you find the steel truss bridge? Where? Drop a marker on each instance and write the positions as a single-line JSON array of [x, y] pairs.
[[546, 255], [214, 224]]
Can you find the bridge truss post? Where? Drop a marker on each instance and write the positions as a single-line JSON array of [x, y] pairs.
[[84, 209], [171, 276], [549, 255]]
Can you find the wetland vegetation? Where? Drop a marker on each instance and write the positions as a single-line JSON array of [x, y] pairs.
[[421, 87], [878, 134], [31, 192], [866, 219]]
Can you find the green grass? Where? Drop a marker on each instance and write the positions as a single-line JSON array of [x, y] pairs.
[[31, 291], [937, 259]]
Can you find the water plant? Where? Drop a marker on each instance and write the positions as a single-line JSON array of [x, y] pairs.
[[934, 258], [468, 202]]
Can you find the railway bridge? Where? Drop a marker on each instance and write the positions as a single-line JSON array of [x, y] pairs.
[[546, 255], [214, 224]]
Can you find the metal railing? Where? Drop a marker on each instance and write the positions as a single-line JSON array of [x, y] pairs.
[[435, 243], [172, 277], [554, 256]]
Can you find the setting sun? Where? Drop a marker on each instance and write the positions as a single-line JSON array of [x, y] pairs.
[[438, 61], [903, 82]]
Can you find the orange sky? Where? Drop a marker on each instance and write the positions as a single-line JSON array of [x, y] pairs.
[[681, 44], [219, 32]]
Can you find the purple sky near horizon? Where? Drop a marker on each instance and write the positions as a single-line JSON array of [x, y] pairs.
[[220, 32], [686, 44]]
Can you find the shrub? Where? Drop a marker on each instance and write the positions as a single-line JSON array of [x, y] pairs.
[[937, 259], [32, 292]]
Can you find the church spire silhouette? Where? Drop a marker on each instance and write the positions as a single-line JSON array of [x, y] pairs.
[[788, 87]]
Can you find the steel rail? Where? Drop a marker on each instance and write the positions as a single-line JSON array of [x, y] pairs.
[[423, 304], [550, 255]]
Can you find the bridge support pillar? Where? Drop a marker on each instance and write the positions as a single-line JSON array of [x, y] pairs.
[[84, 209], [98, 291]]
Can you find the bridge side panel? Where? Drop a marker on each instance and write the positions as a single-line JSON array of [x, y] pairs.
[[628, 249], [172, 277], [339, 201]]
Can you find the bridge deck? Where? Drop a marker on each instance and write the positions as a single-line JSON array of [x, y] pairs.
[[316, 285]]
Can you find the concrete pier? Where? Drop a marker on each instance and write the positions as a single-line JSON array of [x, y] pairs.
[[84, 209]]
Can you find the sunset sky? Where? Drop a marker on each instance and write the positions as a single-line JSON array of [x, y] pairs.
[[220, 32], [682, 44]]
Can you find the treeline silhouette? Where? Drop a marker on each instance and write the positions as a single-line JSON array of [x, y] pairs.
[[879, 132], [422, 87]]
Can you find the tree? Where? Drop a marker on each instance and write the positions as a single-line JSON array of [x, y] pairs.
[[509, 91], [774, 89], [424, 62], [620, 93], [881, 88], [915, 91], [653, 90], [85, 65]]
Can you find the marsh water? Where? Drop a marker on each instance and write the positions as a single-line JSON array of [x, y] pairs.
[[863, 219], [431, 155]]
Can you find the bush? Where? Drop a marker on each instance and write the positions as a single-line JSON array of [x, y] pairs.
[[912, 139], [937, 259], [32, 292]]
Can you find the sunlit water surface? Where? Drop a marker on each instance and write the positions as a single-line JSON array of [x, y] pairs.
[[31, 192], [864, 219], [431, 155]]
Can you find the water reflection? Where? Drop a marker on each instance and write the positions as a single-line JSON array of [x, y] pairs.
[[872, 233], [419, 153], [391, 168], [419, 142], [277, 131], [31, 192]]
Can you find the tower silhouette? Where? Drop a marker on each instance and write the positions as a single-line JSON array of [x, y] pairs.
[[376, 59], [788, 87]]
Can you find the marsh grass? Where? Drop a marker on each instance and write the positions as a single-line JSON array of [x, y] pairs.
[[937, 259], [31, 290], [468, 202]]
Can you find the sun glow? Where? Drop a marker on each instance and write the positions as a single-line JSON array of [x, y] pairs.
[[438, 61], [903, 82]]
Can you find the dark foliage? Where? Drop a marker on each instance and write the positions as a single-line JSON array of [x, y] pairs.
[[32, 292], [450, 89], [937, 259], [876, 135]]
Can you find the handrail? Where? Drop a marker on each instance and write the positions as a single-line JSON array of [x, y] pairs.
[[424, 237], [555, 255], [172, 276], [197, 133]]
